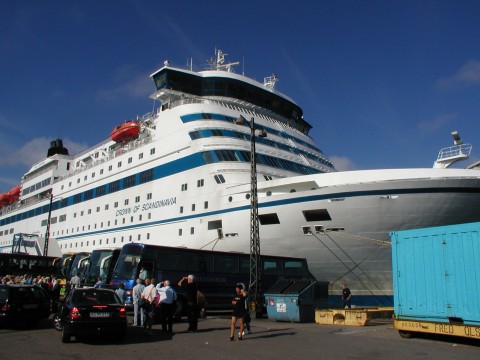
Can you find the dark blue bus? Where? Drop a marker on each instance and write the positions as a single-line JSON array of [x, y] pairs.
[[217, 272], [100, 266]]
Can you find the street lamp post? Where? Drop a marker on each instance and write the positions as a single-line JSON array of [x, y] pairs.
[[47, 232], [255, 261]]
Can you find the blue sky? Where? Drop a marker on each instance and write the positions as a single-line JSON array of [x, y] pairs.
[[383, 83]]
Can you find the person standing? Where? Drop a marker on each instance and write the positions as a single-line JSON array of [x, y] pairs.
[[238, 303], [75, 281], [56, 296], [149, 294], [122, 294], [246, 316], [138, 313], [167, 305], [191, 288], [54, 280], [99, 283], [346, 296]]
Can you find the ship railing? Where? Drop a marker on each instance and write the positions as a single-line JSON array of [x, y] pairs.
[[22, 204], [450, 155], [454, 151], [112, 154]]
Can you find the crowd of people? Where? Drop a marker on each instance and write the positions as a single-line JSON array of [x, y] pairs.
[[151, 300]]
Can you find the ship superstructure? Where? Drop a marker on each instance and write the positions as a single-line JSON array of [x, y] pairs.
[[183, 179]]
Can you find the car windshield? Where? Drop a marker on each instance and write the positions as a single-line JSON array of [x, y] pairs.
[[94, 297]]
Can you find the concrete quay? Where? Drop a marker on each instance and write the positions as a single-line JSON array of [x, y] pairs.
[[269, 340]]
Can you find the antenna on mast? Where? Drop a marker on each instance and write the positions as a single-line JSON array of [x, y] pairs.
[[270, 81], [217, 63]]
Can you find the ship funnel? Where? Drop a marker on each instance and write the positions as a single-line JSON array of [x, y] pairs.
[[56, 147]]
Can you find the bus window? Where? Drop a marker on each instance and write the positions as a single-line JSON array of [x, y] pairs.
[[169, 260], [293, 267], [245, 265], [226, 264], [272, 267], [201, 263]]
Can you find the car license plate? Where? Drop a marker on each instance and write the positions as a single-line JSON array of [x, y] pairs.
[[30, 306], [99, 314]]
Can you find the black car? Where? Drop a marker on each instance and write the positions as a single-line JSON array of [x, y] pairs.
[[91, 311], [23, 303]]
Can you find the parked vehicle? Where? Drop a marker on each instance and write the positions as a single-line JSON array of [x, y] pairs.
[[435, 280], [215, 271], [21, 264], [23, 303], [100, 266], [91, 311]]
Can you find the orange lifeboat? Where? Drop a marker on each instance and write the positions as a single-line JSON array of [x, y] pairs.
[[3, 199], [125, 132], [13, 195]]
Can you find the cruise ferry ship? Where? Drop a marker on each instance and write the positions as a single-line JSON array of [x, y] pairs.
[[181, 176]]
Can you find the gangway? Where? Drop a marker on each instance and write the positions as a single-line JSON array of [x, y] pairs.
[[19, 241]]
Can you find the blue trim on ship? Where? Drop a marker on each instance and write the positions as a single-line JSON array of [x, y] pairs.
[[276, 203]]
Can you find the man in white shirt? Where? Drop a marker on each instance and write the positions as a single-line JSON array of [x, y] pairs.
[[138, 313], [149, 294], [75, 281], [167, 305]]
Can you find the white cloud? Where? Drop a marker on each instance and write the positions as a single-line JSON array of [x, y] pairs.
[[36, 150], [436, 123], [130, 85], [15, 163], [342, 163], [468, 74]]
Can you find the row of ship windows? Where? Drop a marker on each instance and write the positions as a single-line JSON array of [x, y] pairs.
[[129, 181], [264, 219], [232, 120], [47, 181], [205, 133], [63, 218], [100, 242], [215, 156], [110, 168]]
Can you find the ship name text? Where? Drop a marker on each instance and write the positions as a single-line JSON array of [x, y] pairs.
[[146, 206]]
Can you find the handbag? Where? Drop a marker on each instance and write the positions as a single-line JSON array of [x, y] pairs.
[[143, 303]]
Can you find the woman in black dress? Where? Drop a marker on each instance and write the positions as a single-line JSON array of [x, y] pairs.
[[238, 303]]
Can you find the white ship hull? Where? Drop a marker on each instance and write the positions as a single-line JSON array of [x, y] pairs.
[[163, 188]]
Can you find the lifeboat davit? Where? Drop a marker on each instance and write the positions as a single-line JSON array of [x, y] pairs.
[[125, 132]]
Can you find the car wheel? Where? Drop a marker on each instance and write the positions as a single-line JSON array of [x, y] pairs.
[[65, 336], [57, 322]]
